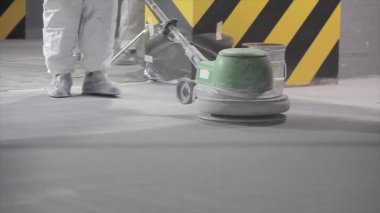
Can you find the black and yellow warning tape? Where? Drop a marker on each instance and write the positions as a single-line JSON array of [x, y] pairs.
[[12, 15], [310, 29]]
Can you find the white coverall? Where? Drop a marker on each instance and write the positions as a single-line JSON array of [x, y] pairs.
[[131, 22], [88, 24]]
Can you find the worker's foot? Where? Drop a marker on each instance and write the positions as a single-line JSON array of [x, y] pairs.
[[129, 57], [97, 83], [60, 85]]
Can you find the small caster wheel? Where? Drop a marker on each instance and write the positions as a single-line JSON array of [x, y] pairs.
[[185, 91]]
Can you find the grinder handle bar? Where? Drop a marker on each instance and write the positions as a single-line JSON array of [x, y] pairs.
[[191, 52]]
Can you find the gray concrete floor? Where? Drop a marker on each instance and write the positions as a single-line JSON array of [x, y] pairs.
[[144, 152]]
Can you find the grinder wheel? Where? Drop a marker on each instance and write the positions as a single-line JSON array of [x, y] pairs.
[[185, 91]]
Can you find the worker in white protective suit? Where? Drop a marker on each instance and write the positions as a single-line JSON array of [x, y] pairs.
[[89, 25], [131, 23]]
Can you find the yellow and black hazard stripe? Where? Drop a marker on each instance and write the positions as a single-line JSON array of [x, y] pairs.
[[12, 19], [309, 28]]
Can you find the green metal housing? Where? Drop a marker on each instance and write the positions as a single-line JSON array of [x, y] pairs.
[[246, 69]]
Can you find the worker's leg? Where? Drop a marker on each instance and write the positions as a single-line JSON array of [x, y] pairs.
[[60, 36], [131, 24], [131, 21], [96, 37], [96, 40]]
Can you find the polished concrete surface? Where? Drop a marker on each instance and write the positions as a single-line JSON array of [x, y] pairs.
[[145, 152]]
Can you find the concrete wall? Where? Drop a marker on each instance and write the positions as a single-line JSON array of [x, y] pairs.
[[360, 35], [360, 38]]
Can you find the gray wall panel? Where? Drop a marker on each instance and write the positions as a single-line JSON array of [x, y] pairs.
[[34, 19], [360, 38]]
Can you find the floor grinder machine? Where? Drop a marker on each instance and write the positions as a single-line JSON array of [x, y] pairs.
[[236, 87]]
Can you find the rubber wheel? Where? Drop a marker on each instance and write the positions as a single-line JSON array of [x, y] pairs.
[[185, 91]]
